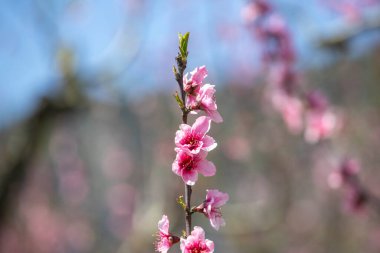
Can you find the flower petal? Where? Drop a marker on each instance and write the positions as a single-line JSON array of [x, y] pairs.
[[199, 74], [210, 245], [207, 90], [206, 168], [217, 197], [190, 176], [183, 244], [215, 116], [216, 221], [163, 224], [163, 246], [201, 126], [175, 167], [201, 155], [179, 135], [198, 233], [185, 128], [209, 143]]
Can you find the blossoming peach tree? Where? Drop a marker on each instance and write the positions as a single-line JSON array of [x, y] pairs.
[[192, 145], [307, 111]]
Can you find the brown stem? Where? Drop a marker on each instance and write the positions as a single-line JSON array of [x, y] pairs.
[[179, 77], [188, 191]]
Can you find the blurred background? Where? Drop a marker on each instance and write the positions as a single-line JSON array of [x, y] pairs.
[[87, 125]]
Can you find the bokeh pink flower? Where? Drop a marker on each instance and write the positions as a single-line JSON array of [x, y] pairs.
[[346, 177], [291, 110], [320, 125], [320, 121], [254, 10]]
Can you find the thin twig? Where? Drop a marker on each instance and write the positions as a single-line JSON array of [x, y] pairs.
[[181, 64]]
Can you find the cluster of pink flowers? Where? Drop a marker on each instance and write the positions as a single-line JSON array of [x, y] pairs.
[[351, 10], [321, 121], [304, 112], [298, 109], [201, 96], [346, 176], [192, 146]]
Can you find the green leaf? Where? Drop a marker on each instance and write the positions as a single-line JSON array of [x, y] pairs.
[[183, 42], [181, 105], [181, 201], [175, 71]]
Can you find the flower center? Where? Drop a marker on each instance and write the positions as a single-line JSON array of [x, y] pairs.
[[189, 166], [193, 142], [200, 248], [187, 163]]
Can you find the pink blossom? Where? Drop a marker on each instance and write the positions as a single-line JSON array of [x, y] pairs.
[[356, 199], [164, 239], [194, 139], [321, 121], [255, 10], [320, 125], [276, 26], [283, 77], [187, 166], [278, 44], [345, 174], [317, 101], [291, 109], [351, 10], [193, 84], [349, 168], [211, 207], [201, 96], [196, 242], [205, 100]]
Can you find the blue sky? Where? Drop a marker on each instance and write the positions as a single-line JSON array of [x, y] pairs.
[[135, 41]]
